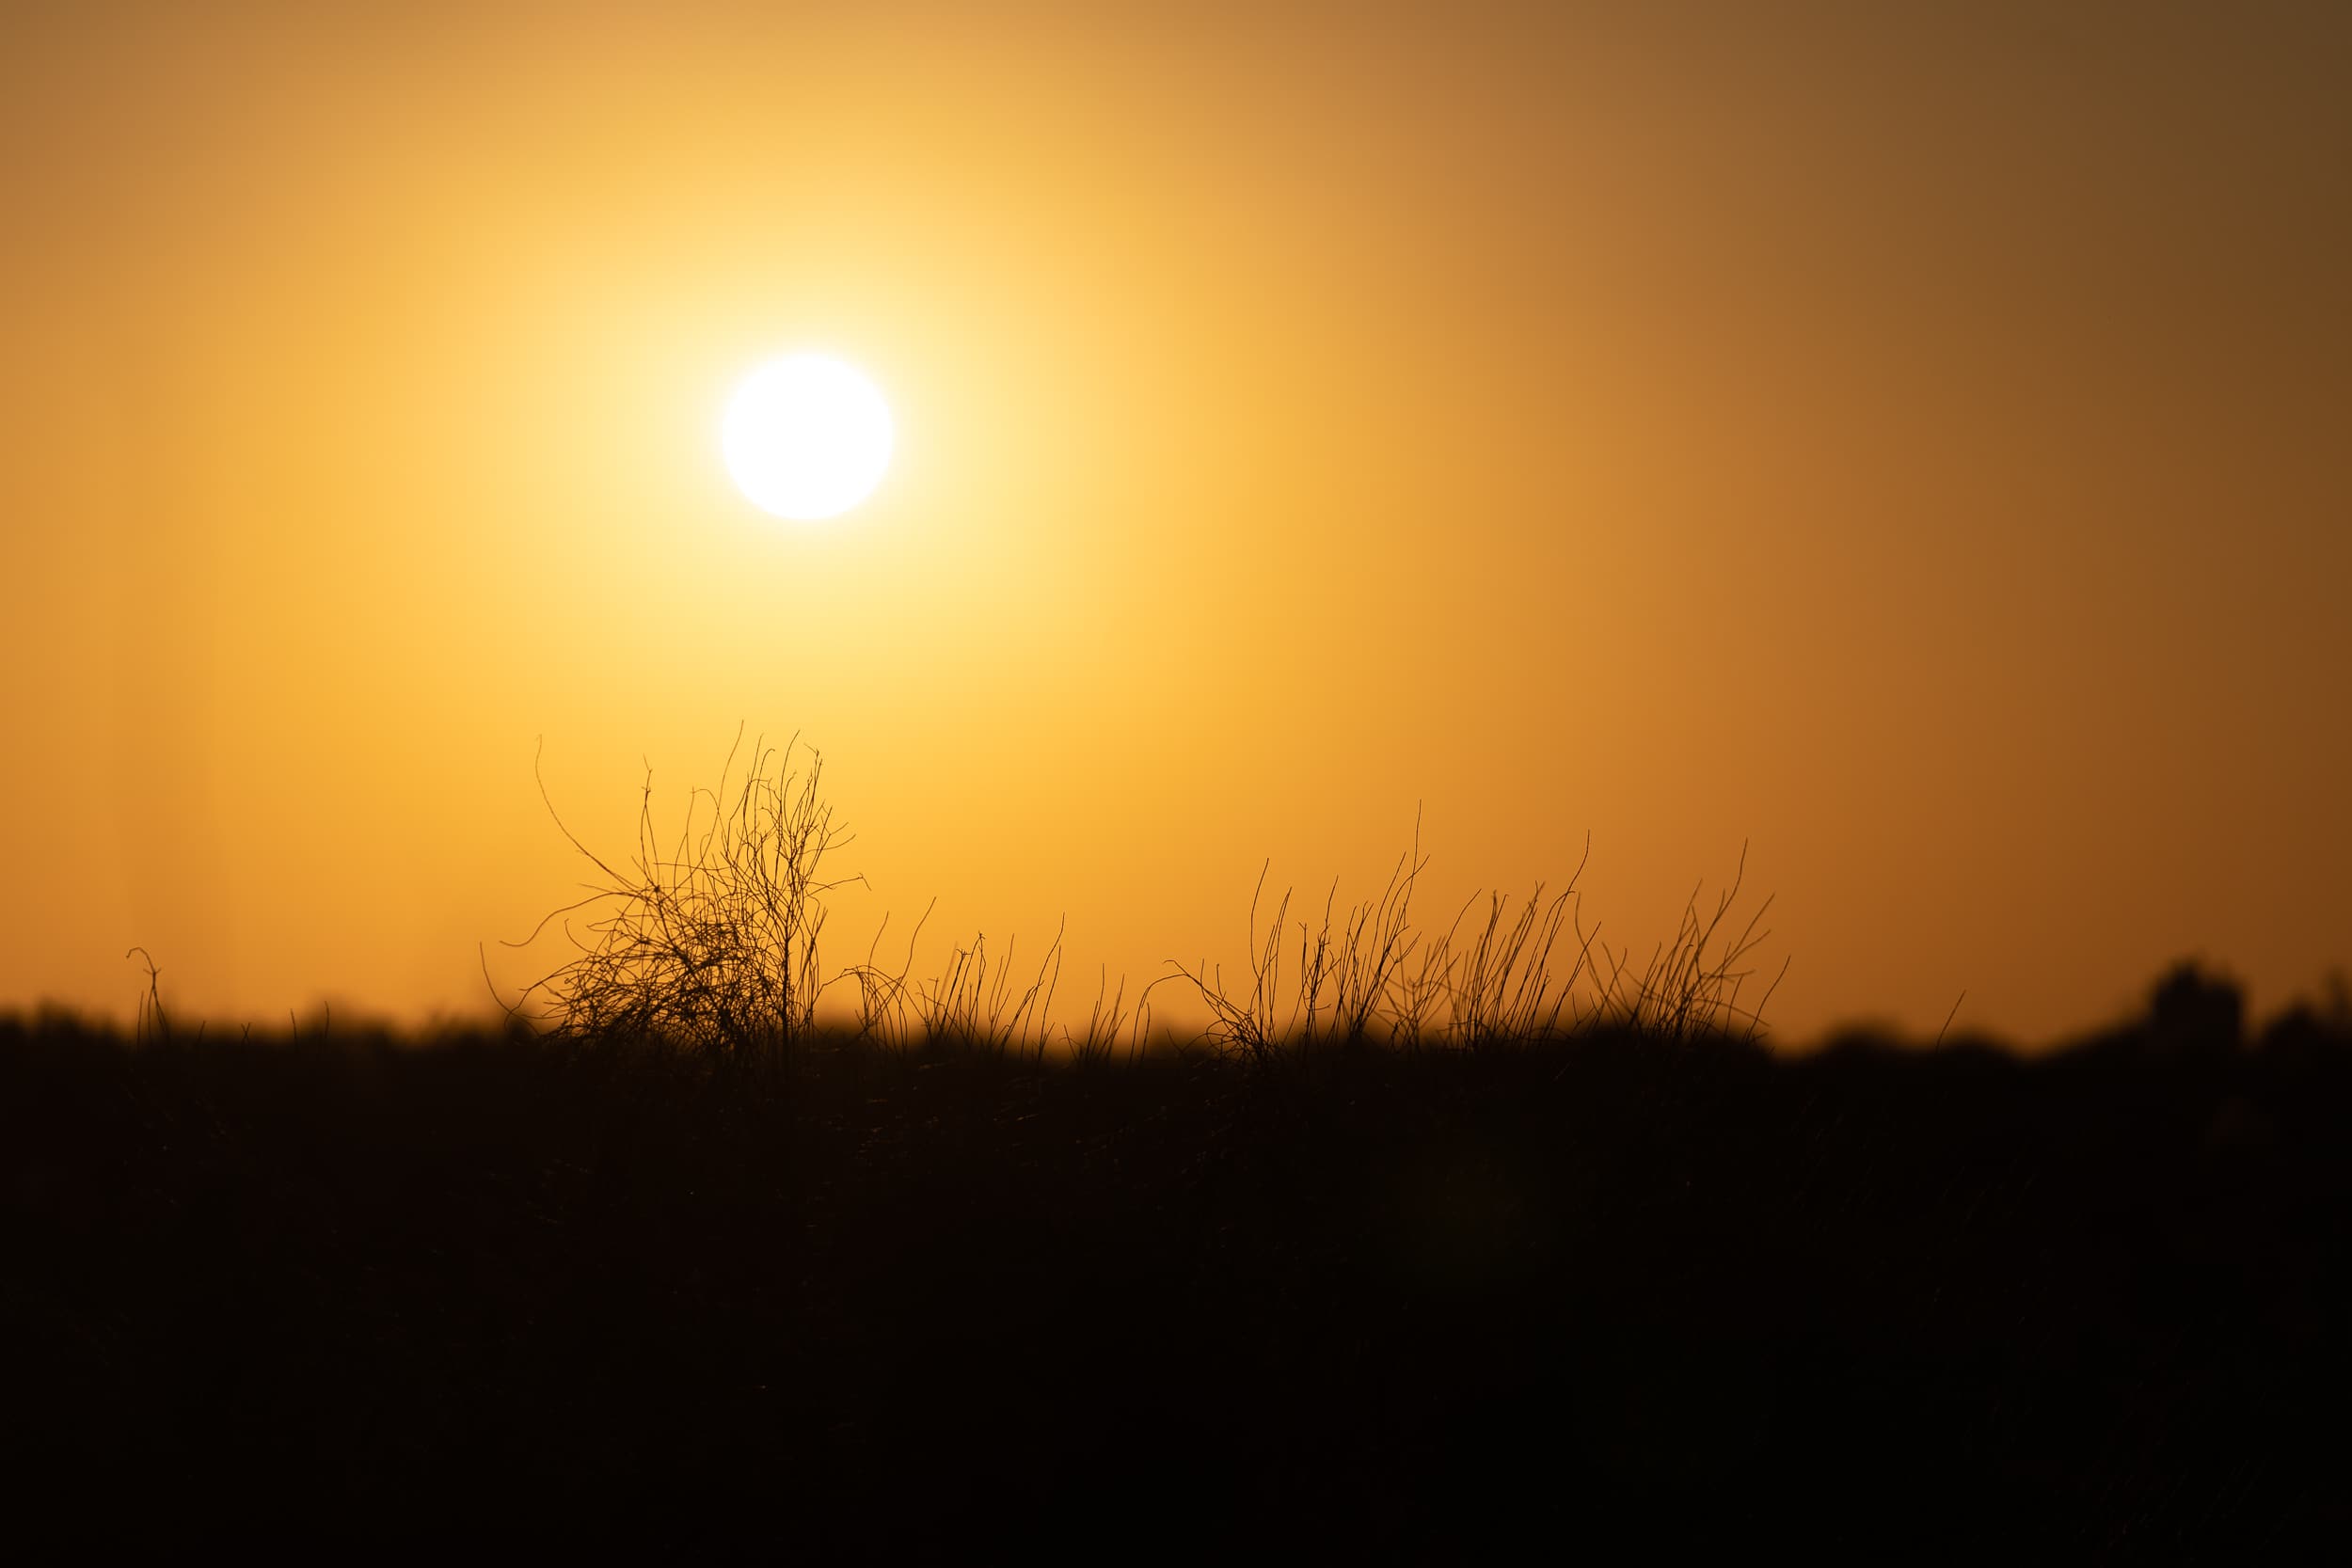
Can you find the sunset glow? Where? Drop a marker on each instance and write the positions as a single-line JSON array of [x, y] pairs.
[[918, 780]]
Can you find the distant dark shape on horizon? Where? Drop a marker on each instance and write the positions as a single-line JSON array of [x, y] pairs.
[[2191, 1013]]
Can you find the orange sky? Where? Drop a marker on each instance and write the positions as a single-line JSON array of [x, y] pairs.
[[1915, 440]]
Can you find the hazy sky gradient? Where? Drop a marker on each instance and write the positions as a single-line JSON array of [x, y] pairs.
[[1916, 440]]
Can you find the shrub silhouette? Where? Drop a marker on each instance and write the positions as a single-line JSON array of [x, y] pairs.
[[712, 945], [2191, 1013]]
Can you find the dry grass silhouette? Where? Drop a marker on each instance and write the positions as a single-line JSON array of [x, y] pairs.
[[1484, 981], [715, 944]]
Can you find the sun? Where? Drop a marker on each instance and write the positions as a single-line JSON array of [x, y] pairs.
[[806, 437]]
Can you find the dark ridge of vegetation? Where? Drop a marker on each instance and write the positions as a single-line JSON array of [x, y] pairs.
[[1603, 1292]]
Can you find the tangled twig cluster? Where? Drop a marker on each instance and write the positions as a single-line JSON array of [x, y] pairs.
[[713, 944]]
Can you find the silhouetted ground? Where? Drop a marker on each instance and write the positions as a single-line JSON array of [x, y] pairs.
[[1620, 1292]]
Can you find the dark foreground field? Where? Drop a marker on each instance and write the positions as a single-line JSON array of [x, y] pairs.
[[1618, 1293]]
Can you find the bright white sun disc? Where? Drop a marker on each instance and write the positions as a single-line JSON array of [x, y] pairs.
[[806, 437]]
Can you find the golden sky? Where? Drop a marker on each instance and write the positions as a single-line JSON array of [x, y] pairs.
[[1914, 440]]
